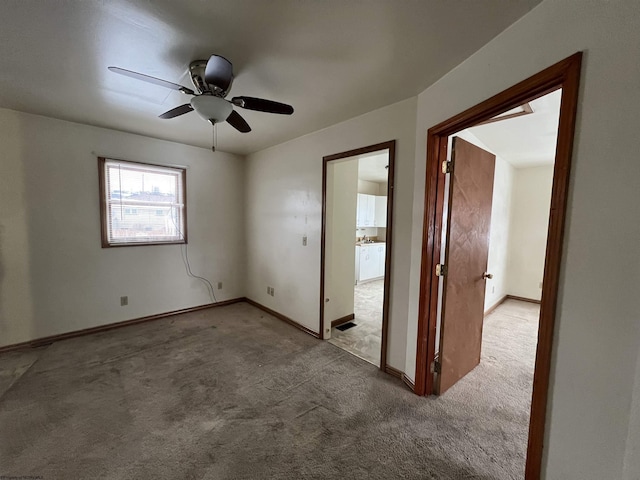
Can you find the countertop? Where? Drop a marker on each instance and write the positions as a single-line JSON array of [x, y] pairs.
[[359, 244]]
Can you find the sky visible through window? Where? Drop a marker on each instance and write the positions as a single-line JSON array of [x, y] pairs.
[[127, 181]]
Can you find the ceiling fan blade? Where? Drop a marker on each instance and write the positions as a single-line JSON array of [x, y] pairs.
[[237, 122], [149, 79], [176, 112], [219, 72], [262, 105]]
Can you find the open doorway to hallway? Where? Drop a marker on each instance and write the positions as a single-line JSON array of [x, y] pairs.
[[460, 345], [358, 187], [494, 237], [496, 221]]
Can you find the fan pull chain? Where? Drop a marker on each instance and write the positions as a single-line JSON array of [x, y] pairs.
[[214, 137]]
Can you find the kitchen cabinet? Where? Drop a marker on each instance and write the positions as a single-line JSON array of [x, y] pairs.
[[381, 211], [370, 261], [371, 211], [382, 251], [366, 210]]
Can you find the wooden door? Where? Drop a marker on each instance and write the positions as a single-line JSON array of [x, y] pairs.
[[467, 251]]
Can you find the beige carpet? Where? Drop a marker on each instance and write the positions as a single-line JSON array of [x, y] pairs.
[[233, 393]]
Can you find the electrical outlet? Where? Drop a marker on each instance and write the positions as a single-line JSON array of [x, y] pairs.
[[273, 293], [219, 285], [268, 290], [124, 301], [304, 241]]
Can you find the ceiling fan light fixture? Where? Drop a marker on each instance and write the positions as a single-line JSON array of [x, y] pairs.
[[212, 108]]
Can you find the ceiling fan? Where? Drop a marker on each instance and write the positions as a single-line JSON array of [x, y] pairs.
[[212, 81]]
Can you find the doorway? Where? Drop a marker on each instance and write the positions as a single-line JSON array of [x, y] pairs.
[[499, 192], [564, 75], [357, 226]]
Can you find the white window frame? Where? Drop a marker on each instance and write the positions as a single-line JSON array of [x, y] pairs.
[[108, 238]]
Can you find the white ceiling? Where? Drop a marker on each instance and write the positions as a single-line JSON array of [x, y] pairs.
[[331, 59], [372, 167], [528, 140]]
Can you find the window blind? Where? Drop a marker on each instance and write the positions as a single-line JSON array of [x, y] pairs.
[[144, 203]]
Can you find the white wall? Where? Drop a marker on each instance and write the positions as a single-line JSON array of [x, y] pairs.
[[54, 275], [500, 240], [284, 201], [597, 335], [368, 232], [340, 254], [528, 230], [370, 188]]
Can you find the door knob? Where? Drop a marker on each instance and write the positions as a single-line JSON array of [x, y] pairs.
[[486, 275]]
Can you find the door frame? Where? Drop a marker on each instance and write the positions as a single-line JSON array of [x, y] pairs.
[[566, 75], [391, 146]]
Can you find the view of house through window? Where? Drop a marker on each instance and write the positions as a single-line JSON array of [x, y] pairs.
[[141, 203]]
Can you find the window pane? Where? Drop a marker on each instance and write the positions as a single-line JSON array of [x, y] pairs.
[[145, 224], [144, 203], [133, 184]]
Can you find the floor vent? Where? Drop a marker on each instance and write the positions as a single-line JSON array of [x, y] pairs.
[[346, 326]]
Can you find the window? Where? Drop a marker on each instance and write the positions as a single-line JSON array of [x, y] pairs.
[[142, 204]]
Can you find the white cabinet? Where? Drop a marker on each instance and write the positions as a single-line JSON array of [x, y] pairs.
[[371, 211], [370, 260], [366, 211], [382, 249], [381, 211]]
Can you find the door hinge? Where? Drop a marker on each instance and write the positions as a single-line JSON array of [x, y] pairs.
[[447, 167], [436, 367], [441, 270]]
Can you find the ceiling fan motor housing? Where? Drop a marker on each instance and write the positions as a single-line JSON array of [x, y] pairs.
[[197, 70]]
